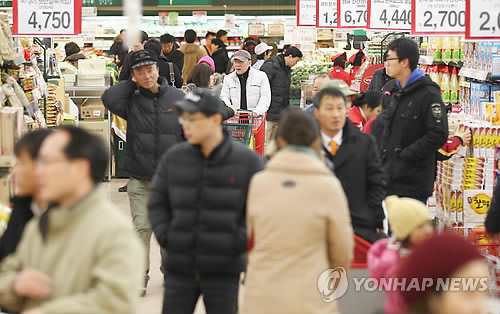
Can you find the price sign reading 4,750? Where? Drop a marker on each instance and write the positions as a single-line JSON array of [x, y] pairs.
[[42, 17], [438, 17], [389, 14], [486, 17]]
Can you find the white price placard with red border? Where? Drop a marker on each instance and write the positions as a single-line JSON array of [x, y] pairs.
[[438, 17], [352, 13], [482, 19], [389, 15], [47, 17], [326, 13], [306, 12]]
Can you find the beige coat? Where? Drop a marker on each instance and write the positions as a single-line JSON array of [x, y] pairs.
[[91, 255], [192, 54], [299, 215]]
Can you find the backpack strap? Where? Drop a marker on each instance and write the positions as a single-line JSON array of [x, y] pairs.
[[172, 74]]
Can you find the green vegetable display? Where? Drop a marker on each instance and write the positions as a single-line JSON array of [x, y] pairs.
[[303, 70]]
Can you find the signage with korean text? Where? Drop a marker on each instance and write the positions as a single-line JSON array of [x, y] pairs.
[[275, 29], [306, 12], [326, 13], [47, 17], [256, 29], [482, 19], [390, 15], [352, 13], [438, 17]]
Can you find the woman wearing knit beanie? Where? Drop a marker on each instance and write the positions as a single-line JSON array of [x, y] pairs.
[[445, 258], [411, 223]]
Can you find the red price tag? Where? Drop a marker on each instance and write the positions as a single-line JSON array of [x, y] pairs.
[[389, 15], [352, 13], [47, 18], [438, 17], [482, 19], [326, 13]]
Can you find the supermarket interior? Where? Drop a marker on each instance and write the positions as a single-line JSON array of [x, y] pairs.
[[58, 58]]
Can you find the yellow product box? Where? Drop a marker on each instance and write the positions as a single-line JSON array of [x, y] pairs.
[[476, 205]]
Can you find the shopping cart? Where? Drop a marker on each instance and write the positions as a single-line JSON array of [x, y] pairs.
[[361, 247], [490, 248], [247, 129]]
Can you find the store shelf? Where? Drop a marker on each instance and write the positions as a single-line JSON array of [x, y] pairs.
[[429, 60], [480, 75], [7, 161]]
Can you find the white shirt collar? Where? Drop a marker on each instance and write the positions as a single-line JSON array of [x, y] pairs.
[[325, 139]]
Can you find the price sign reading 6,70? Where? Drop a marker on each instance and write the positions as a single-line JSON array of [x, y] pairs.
[[438, 17], [352, 13], [482, 19], [47, 17]]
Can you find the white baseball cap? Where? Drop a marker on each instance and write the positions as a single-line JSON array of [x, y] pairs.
[[261, 48]]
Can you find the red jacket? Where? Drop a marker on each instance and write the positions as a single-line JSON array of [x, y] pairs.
[[450, 148], [356, 117], [367, 127], [354, 70], [339, 73]]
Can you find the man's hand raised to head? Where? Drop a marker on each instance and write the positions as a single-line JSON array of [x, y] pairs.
[[32, 284]]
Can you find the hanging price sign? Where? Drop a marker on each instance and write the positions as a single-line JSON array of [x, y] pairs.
[[438, 17], [482, 19], [306, 12], [47, 17], [389, 15], [352, 13], [326, 13]]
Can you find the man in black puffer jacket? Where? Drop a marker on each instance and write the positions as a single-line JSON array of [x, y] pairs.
[[278, 70], [152, 128], [198, 209], [415, 124]]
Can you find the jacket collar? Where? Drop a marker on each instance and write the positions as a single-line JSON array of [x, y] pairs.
[[56, 218], [162, 90], [416, 75], [220, 152], [296, 162], [234, 75]]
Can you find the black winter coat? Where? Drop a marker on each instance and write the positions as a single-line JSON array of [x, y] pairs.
[[279, 75], [415, 126], [197, 207], [176, 57], [379, 79], [21, 215], [492, 222], [163, 65], [221, 60], [120, 50], [357, 165], [152, 123]]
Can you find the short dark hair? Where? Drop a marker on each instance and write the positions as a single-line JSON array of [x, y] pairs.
[[83, 145], [71, 48], [210, 34], [250, 46], [31, 143], [167, 38], [330, 91], [218, 42], [123, 30], [294, 52], [298, 127], [190, 36], [200, 76], [406, 49], [262, 55], [154, 46], [144, 37], [372, 98], [220, 33]]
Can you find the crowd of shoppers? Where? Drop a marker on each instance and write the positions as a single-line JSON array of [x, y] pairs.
[[217, 210]]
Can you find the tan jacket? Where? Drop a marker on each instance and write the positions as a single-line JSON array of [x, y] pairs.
[[192, 54], [299, 215], [91, 255]]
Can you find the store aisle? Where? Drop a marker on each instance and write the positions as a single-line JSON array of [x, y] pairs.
[[152, 302]]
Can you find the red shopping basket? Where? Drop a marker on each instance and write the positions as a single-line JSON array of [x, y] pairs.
[[259, 133], [490, 249], [361, 247]]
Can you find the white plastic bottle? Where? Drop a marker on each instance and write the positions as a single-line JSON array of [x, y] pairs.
[[454, 88]]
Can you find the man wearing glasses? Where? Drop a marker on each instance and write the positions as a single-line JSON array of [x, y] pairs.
[[415, 124], [198, 209], [146, 102]]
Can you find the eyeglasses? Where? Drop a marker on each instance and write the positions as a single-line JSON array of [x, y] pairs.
[[45, 161], [189, 120], [389, 59]]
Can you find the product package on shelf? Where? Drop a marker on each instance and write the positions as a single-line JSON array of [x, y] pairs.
[[11, 129], [55, 109]]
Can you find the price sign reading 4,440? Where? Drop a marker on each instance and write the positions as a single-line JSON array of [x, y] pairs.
[[438, 17], [47, 17], [389, 14], [485, 15], [352, 13]]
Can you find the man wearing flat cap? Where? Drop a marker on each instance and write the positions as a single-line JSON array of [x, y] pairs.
[[198, 209]]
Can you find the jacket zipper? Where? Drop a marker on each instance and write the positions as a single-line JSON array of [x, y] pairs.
[[157, 132], [197, 226]]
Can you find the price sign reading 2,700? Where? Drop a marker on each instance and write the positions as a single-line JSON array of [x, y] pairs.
[[45, 20], [438, 17], [482, 19]]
